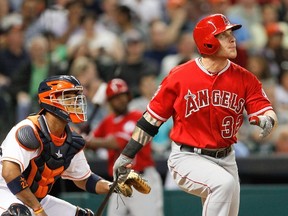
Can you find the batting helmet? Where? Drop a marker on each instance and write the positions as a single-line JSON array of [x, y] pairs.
[[115, 87], [206, 30], [54, 95], [17, 209]]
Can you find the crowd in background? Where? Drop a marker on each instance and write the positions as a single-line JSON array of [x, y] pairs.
[[138, 41]]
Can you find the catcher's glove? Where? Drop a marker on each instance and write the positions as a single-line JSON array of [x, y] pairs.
[[135, 180]]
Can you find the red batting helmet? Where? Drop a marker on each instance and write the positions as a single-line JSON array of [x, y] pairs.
[[206, 30], [115, 87]]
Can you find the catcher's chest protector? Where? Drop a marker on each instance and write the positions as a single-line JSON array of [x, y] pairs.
[[45, 169]]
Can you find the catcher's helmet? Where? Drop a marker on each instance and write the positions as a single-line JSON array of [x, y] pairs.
[[54, 95], [206, 30], [17, 209], [115, 87]]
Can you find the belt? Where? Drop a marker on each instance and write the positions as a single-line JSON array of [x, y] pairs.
[[217, 153]]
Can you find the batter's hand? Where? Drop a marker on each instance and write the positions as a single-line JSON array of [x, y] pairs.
[[121, 168], [265, 122]]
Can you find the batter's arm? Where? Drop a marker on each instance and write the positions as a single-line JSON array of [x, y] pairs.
[[19, 186], [147, 127]]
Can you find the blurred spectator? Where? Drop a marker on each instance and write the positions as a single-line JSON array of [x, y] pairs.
[[4, 9], [147, 88], [281, 96], [27, 17], [248, 13], [274, 52], [26, 80], [104, 46], [283, 11], [15, 4], [30, 12], [258, 65], [107, 18], [92, 6], [54, 18], [280, 138], [162, 37], [58, 54], [126, 21], [186, 50], [13, 55], [141, 8], [135, 65], [62, 18]]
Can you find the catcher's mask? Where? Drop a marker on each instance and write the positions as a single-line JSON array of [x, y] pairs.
[[63, 96], [206, 30]]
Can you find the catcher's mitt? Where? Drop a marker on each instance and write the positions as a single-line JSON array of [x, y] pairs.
[[135, 180]]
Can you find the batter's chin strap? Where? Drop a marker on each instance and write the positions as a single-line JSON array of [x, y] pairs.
[[83, 212]]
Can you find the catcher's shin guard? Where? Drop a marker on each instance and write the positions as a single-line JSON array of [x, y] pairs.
[[83, 212], [17, 209]]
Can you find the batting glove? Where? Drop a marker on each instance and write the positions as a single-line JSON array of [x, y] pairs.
[[264, 122], [122, 168]]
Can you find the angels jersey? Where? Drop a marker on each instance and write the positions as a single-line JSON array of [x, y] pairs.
[[207, 109], [121, 127]]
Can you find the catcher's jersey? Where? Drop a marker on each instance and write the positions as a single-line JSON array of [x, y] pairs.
[[13, 151], [207, 109], [121, 127]]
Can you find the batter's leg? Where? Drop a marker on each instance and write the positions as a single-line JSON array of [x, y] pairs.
[[200, 176]]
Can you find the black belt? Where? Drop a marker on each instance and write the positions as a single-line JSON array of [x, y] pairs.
[[217, 153]]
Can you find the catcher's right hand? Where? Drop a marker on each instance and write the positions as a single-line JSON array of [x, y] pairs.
[[133, 180]]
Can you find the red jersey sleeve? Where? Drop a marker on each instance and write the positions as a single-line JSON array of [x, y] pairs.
[[164, 98], [257, 101]]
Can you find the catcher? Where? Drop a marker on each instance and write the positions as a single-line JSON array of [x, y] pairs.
[[113, 133], [42, 148]]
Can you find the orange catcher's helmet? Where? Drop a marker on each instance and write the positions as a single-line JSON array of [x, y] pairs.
[[206, 30], [63, 96], [115, 87]]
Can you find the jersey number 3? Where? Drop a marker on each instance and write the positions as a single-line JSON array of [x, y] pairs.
[[230, 128]]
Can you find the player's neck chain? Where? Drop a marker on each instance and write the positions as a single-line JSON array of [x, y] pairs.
[[207, 68]]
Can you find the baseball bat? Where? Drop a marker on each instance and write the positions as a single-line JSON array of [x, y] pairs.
[[105, 201]]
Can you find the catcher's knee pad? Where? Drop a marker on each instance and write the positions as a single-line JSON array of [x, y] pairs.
[[83, 212], [17, 209]]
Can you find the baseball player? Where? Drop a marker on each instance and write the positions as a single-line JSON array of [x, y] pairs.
[[113, 133], [41, 149], [206, 98]]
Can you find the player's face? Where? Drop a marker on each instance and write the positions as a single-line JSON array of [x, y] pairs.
[[119, 103], [228, 45]]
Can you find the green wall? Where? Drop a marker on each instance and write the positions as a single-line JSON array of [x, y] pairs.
[[262, 200]]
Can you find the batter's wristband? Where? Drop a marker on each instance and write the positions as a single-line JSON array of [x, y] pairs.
[[132, 148], [18, 184]]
